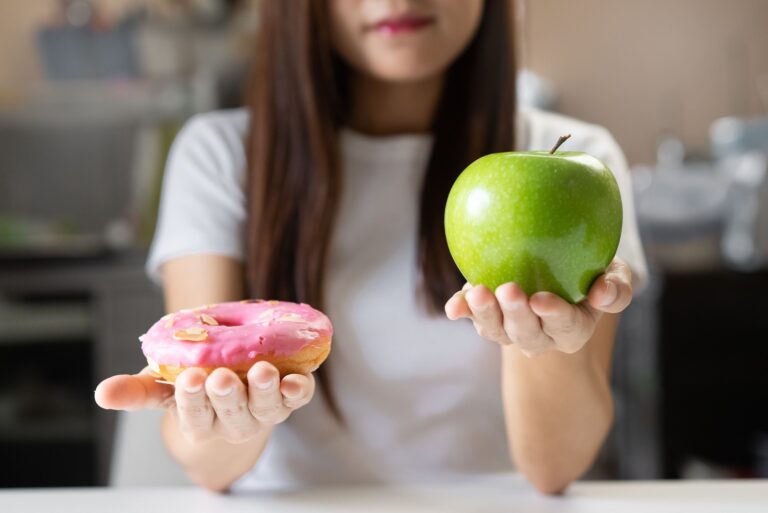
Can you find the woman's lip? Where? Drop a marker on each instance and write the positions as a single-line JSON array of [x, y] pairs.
[[401, 24]]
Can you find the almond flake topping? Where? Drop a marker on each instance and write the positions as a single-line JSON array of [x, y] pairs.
[[169, 322], [153, 366], [209, 320], [266, 315], [291, 317], [191, 334], [309, 334]]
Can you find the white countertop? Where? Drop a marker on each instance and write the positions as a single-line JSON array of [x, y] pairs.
[[483, 495]]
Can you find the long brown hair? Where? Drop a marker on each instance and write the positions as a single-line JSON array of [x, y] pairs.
[[297, 106]]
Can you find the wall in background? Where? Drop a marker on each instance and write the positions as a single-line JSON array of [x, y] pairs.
[[645, 67], [17, 44]]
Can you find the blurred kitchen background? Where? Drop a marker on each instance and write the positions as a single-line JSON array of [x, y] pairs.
[[93, 91]]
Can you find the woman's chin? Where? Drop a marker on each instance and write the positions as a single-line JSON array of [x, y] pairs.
[[404, 71]]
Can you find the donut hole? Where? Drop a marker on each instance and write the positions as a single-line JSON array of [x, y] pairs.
[[229, 321]]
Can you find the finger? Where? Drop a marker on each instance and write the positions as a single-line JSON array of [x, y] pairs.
[[265, 401], [521, 325], [229, 400], [297, 390], [569, 326], [486, 314], [193, 410], [612, 291], [132, 392], [456, 307]]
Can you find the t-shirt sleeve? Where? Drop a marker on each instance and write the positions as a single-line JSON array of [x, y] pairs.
[[603, 146], [202, 203]]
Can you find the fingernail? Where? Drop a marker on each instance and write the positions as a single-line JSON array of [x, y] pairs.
[[291, 393], [193, 389], [223, 392], [265, 385], [510, 305], [610, 293]]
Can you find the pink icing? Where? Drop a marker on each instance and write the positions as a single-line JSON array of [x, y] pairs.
[[245, 330]]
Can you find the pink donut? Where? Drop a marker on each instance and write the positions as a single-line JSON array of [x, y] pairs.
[[295, 338]]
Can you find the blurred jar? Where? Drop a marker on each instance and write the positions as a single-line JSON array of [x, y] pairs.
[[682, 212]]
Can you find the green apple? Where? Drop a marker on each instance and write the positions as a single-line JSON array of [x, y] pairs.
[[548, 221]]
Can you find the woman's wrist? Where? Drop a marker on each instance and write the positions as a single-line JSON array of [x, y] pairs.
[[214, 463], [545, 364]]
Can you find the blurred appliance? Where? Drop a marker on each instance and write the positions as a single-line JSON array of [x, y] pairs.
[[741, 146], [732, 136], [698, 216], [682, 212], [83, 48], [745, 241], [65, 184]]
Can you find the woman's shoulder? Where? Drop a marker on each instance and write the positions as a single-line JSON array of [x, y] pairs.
[[226, 122], [228, 127], [214, 141], [203, 206], [540, 130]]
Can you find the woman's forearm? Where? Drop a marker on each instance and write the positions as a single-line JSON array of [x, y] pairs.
[[558, 409], [214, 464]]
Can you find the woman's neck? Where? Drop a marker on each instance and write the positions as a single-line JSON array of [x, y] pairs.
[[387, 108]]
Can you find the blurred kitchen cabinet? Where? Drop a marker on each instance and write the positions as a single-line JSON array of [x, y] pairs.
[[713, 363], [74, 322]]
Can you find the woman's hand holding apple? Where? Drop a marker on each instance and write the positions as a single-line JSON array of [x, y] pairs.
[[543, 322]]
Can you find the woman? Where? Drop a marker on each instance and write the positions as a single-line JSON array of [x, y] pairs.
[[329, 189]]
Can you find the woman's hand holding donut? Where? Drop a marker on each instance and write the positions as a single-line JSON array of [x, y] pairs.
[[215, 406], [543, 322], [221, 406]]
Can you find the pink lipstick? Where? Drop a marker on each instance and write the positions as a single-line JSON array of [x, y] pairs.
[[401, 24]]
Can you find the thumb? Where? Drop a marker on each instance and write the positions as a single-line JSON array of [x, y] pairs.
[[132, 392]]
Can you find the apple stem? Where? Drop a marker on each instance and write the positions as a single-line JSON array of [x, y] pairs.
[[560, 143]]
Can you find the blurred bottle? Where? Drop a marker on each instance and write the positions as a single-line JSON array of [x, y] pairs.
[[741, 147]]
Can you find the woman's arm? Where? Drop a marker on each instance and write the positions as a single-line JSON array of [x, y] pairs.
[[558, 408], [558, 405], [196, 280], [215, 426]]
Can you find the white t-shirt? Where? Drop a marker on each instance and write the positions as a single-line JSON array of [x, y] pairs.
[[419, 395]]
